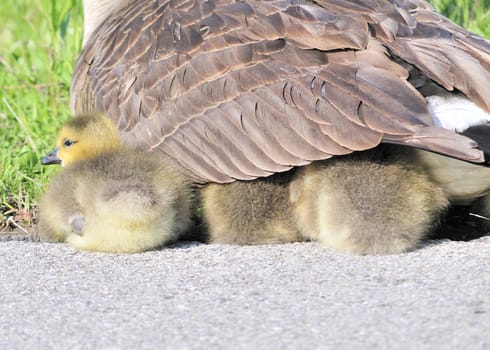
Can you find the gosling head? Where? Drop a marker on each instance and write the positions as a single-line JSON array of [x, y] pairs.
[[85, 136]]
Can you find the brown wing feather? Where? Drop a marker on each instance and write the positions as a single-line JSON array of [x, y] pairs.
[[236, 90]]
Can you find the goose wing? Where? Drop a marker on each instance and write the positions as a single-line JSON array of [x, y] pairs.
[[239, 90]]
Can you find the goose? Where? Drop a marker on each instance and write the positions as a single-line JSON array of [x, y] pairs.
[[108, 197], [239, 91]]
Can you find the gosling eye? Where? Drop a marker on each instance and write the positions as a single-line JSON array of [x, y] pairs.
[[68, 143]]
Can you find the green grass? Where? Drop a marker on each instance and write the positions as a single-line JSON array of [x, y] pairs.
[[39, 43], [471, 14]]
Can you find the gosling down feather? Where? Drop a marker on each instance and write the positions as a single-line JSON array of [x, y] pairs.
[[241, 90], [110, 198], [250, 212], [372, 202]]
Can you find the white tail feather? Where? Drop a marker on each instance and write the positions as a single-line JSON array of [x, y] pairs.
[[455, 112]]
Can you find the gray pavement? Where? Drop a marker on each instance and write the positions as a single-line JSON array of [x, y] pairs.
[[293, 296]]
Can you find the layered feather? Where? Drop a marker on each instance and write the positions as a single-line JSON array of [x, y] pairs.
[[235, 90]]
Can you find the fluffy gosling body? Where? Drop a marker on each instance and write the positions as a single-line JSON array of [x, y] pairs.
[[110, 198], [367, 203], [249, 212]]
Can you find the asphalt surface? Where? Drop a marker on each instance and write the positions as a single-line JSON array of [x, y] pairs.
[[197, 296]]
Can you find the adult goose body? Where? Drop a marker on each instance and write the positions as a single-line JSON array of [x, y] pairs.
[[245, 89]]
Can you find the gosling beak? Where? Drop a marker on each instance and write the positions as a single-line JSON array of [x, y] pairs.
[[51, 158]]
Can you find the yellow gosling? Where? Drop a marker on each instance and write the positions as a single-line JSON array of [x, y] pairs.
[[109, 198], [367, 203], [249, 212], [375, 202]]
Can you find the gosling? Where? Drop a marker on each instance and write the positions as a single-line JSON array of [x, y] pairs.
[[373, 202], [367, 203], [249, 212], [110, 198]]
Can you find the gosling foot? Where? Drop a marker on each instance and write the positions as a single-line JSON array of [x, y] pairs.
[[77, 223]]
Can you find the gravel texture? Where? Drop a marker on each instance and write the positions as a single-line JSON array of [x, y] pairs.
[[197, 296]]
